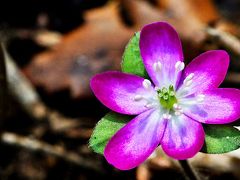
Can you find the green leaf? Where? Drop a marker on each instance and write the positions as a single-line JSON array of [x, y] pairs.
[[132, 62], [105, 129], [220, 139]]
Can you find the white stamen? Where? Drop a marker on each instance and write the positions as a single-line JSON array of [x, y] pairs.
[[200, 98], [201, 95], [178, 113], [138, 97], [188, 80], [190, 101], [146, 84], [167, 116], [189, 77], [179, 66], [157, 66], [177, 107], [149, 105], [187, 83], [156, 88]]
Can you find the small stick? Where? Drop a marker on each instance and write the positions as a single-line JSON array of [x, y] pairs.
[[23, 91], [188, 170], [3, 86], [225, 38], [55, 150]]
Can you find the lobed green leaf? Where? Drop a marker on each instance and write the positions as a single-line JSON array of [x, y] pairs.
[[220, 139], [132, 61]]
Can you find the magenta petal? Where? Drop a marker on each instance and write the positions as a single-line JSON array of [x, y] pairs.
[[183, 137], [219, 106], [159, 42], [209, 70], [117, 90], [132, 144]]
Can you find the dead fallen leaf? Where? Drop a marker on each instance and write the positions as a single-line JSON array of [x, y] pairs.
[[92, 48]]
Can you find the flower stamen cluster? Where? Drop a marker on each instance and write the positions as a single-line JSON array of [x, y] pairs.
[[167, 97]]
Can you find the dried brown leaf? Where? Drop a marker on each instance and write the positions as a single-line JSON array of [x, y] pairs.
[[92, 48]]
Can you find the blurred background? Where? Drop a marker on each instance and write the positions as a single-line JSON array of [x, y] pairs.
[[53, 48]]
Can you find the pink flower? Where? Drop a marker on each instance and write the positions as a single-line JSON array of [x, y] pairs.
[[171, 107]]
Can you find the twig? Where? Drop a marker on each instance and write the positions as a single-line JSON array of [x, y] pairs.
[[25, 94], [55, 150], [225, 38], [3, 85], [188, 170], [21, 88]]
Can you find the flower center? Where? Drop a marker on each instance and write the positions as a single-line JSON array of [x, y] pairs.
[[167, 97]]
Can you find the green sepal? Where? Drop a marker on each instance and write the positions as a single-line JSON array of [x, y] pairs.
[[105, 129]]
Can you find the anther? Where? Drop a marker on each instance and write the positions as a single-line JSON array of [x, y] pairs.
[[178, 110], [138, 97], [157, 66], [189, 77], [187, 83], [200, 98], [146, 84], [179, 66], [176, 106], [167, 116], [149, 105], [178, 113]]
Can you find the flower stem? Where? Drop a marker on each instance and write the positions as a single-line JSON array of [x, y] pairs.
[[188, 170]]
